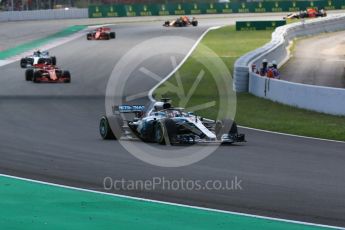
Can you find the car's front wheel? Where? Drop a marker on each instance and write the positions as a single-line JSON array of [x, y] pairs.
[[66, 74], [165, 131], [160, 133], [23, 63], [166, 23], [29, 73], [89, 36], [36, 78], [225, 126], [112, 35], [53, 60], [195, 23]]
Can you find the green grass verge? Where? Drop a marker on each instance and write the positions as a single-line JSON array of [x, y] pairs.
[[252, 111]]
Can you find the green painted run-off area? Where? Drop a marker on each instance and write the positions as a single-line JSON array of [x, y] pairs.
[[40, 42], [31, 206]]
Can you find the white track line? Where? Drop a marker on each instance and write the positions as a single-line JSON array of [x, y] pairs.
[[181, 63], [292, 135], [174, 204], [49, 46]]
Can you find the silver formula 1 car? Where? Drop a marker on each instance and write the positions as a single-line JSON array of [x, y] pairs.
[[165, 124], [37, 57]]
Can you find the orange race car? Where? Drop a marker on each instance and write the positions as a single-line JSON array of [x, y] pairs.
[[181, 22], [47, 73], [309, 13], [101, 33]]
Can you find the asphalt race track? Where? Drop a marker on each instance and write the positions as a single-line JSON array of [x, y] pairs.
[[318, 60], [49, 132]]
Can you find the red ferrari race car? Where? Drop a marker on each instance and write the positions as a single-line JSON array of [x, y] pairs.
[[181, 22], [309, 13], [47, 73], [101, 33]]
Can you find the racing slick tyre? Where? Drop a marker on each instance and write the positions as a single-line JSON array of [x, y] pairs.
[[36, 77], [67, 75], [112, 35], [165, 129], [29, 73], [166, 23], [195, 23], [23, 63], [43, 61], [105, 129], [89, 36], [53, 60], [178, 23], [225, 126]]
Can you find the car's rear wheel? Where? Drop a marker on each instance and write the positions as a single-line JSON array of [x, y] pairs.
[[105, 129], [29, 73], [195, 23], [43, 61], [67, 75], [178, 23], [112, 35]]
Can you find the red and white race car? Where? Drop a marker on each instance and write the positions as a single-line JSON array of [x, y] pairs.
[[47, 73], [101, 33]]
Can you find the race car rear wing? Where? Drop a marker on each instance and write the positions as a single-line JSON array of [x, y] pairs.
[[103, 29], [128, 109]]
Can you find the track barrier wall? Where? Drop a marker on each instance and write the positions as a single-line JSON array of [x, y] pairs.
[[317, 98], [259, 25], [43, 14], [129, 10]]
